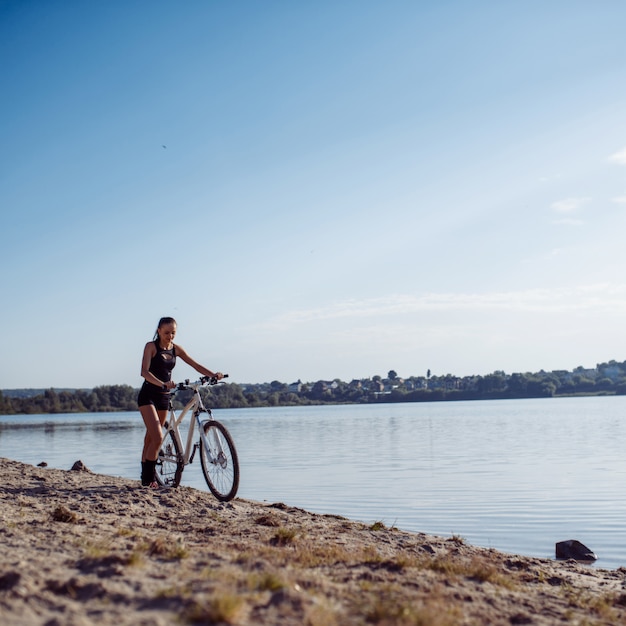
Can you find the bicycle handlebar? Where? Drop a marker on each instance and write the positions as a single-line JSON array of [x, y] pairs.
[[212, 380], [204, 380]]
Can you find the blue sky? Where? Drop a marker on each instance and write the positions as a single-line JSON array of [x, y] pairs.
[[314, 190]]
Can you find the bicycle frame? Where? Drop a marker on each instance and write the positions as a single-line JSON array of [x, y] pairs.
[[218, 456], [197, 406]]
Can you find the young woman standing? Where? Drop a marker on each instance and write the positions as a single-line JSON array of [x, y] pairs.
[[159, 359]]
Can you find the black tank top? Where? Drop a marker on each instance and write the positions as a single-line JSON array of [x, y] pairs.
[[162, 363]]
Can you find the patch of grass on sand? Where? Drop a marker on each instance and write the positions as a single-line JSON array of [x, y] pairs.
[[310, 555], [224, 608], [284, 537], [387, 609], [602, 605], [63, 514], [136, 559], [98, 549], [321, 614], [265, 581], [127, 532], [168, 550], [475, 568], [267, 519]]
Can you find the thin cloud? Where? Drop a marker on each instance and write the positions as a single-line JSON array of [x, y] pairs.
[[568, 221], [569, 205], [619, 200], [619, 157], [598, 298]]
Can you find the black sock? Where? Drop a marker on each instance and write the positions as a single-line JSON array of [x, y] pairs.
[[147, 472]]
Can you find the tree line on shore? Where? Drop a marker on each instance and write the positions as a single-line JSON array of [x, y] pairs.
[[605, 379]]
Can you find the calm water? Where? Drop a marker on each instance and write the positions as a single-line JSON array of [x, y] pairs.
[[513, 475]]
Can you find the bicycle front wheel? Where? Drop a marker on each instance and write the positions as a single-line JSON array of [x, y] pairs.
[[220, 464], [169, 467]]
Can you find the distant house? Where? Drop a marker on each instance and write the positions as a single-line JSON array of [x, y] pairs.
[[295, 387], [377, 386], [362, 384]]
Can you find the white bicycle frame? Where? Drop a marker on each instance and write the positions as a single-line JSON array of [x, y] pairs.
[[218, 455], [188, 451]]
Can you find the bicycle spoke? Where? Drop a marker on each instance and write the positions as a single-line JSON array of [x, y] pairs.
[[169, 467]]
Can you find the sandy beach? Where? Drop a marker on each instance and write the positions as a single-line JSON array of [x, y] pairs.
[[80, 548]]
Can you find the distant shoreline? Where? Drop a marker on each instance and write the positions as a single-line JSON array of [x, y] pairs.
[[605, 379], [66, 402]]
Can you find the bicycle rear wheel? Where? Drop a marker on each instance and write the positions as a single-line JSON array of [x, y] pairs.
[[169, 467], [220, 464]]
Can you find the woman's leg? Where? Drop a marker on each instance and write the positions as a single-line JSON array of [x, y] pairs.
[[162, 417], [146, 444], [153, 420]]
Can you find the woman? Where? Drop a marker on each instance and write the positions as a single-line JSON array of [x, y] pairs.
[[159, 359]]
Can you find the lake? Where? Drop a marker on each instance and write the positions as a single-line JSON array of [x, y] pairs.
[[515, 475]]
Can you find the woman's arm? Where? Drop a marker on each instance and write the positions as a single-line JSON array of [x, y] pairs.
[[180, 351]]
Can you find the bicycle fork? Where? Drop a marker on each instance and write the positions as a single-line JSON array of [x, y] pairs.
[[205, 440]]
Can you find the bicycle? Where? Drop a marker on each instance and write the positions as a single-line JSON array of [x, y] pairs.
[[218, 456]]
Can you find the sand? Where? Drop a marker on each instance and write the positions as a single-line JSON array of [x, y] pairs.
[[80, 548]]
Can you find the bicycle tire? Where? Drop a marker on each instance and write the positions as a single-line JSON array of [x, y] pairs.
[[169, 467], [222, 474]]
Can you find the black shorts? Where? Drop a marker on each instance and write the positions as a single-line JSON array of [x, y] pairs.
[[151, 394]]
